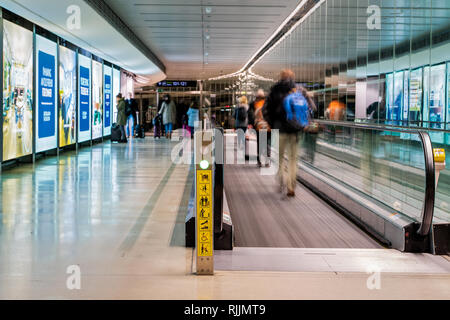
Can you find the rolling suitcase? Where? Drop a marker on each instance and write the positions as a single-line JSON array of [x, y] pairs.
[[140, 133], [157, 128], [115, 133]]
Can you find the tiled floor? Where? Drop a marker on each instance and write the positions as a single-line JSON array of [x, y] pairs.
[[117, 211]]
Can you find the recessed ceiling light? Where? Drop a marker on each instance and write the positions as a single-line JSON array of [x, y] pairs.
[[208, 10]]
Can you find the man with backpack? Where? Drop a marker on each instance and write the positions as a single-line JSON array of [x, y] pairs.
[[284, 111]]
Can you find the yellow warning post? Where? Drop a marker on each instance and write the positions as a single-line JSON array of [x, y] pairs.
[[204, 204], [439, 162], [439, 155], [204, 221]]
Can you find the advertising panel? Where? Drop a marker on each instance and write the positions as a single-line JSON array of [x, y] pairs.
[[447, 135], [108, 101], [437, 96], [389, 96], [426, 96], [415, 100], [448, 95], [398, 97], [46, 99], [17, 91], [405, 115], [437, 101], [84, 99], [97, 100], [67, 96], [116, 91]]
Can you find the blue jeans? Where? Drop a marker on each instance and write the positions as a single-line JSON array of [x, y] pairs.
[[169, 127], [130, 128]]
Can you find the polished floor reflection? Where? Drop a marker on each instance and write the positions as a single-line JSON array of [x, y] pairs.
[[117, 212], [87, 209]]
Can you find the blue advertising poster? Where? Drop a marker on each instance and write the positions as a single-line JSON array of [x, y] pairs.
[[85, 99], [46, 91], [107, 101]]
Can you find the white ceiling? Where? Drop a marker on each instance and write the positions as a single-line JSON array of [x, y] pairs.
[[95, 35], [176, 31]]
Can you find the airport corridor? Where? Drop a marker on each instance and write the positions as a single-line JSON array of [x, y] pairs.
[[117, 212]]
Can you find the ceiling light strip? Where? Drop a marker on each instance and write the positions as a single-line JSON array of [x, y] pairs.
[[263, 50], [288, 33]]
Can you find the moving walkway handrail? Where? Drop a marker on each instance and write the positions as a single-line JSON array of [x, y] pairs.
[[358, 125], [430, 183], [218, 181]]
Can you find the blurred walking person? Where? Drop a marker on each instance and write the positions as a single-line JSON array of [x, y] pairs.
[[240, 116], [168, 112], [257, 121], [193, 114], [312, 130], [275, 114], [131, 116]]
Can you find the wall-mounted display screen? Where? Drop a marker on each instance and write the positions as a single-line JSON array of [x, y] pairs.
[[177, 83], [447, 139], [447, 135], [405, 114], [17, 91], [389, 96], [437, 99], [67, 96], [97, 100], [415, 96], [84, 99], [437, 95], [116, 91], [108, 101], [46, 99], [426, 96], [398, 97]]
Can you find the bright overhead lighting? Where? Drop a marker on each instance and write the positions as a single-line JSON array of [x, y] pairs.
[[208, 10], [206, 54], [294, 12], [207, 37]]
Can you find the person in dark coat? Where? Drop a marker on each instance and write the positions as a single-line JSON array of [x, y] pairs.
[[130, 112], [121, 117]]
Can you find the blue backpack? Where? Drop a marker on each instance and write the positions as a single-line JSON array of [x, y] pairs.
[[297, 112]]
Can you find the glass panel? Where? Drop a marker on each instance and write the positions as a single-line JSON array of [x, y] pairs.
[[415, 96], [437, 101], [375, 166]]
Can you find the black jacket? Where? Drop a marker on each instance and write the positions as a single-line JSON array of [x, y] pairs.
[[273, 111], [131, 108]]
